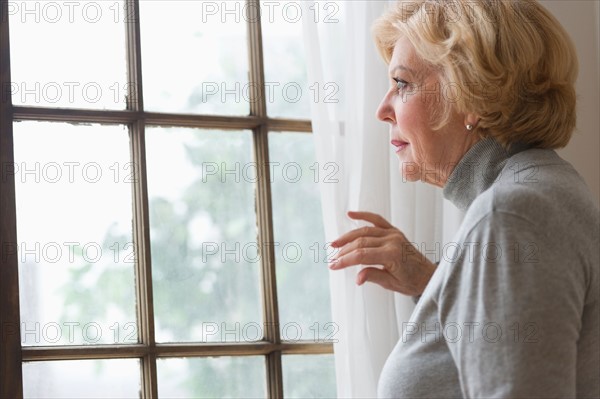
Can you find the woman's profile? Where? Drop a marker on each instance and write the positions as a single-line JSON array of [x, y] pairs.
[[481, 94]]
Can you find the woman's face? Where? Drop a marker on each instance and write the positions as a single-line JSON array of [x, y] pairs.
[[409, 107]]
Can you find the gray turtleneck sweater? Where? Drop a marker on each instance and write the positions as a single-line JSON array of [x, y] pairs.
[[512, 310]]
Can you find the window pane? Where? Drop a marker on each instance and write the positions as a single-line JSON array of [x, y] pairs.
[[220, 377], [301, 254], [200, 63], [288, 94], [68, 54], [307, 376], [205, 262], [82, 379], [73, 200]]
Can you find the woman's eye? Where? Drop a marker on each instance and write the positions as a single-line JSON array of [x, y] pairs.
[[401, 84]]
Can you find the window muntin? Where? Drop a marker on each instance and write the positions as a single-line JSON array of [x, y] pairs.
[[126, 111]]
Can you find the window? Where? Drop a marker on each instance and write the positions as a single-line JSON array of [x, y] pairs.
[[161, 225]]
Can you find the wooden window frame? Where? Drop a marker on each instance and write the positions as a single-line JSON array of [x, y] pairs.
[[12, 354]]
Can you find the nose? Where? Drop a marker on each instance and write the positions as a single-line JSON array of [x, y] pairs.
[[385, 111]]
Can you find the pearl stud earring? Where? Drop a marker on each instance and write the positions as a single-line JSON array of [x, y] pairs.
[[470, 127]]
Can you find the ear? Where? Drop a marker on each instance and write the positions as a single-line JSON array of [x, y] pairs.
[[471, 119]]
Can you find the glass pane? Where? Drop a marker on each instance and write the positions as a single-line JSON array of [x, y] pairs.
[[287, 90], [203, 235], [68, 54], [301, 252], [308, 376], [200, 63], [220, 377], [82, 379], [76, 264]]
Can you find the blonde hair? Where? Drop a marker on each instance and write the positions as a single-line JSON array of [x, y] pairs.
[[514, 48]]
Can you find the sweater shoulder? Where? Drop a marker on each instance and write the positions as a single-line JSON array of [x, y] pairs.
[[539, 186]]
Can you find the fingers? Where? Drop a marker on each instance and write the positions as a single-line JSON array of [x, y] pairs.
[[374, 275], [377, 220], [356, 233], [360, 256], [360, 242]]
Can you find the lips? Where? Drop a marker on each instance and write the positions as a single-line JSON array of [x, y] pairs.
[[399, 144]]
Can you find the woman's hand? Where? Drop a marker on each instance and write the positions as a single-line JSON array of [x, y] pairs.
[[405, 269]]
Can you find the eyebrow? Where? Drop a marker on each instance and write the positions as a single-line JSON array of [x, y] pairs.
[[403, 68]]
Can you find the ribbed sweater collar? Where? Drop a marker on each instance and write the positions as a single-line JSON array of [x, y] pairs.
[[477, 170]]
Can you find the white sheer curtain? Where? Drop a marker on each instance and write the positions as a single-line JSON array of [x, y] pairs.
[[340, 52]]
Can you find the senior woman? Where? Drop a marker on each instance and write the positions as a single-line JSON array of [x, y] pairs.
[[481, 93]]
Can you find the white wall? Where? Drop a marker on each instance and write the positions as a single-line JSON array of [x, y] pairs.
[[581, 18]]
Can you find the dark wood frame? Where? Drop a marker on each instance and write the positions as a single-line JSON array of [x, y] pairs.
[[12, 354]]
